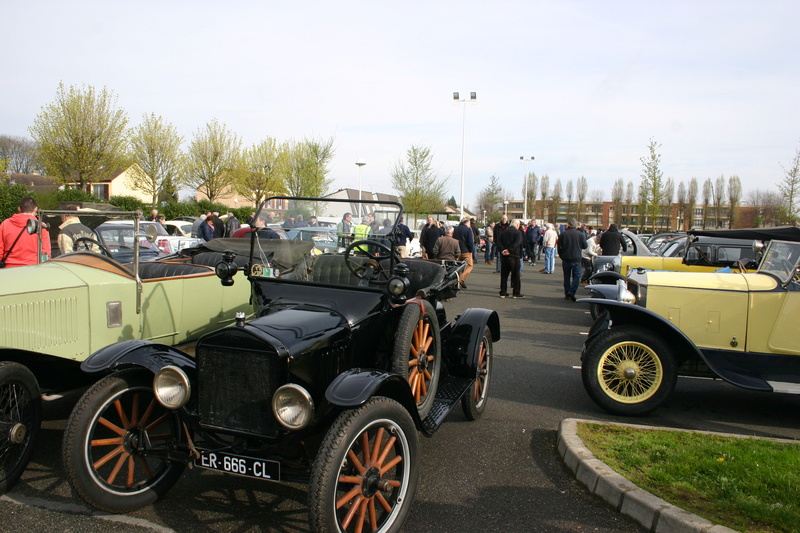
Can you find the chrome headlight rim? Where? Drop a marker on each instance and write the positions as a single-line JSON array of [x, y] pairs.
[[293, 406], [171, 387]]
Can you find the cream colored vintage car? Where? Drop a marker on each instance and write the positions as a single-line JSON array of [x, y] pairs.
[[57, 313], [738, 326]]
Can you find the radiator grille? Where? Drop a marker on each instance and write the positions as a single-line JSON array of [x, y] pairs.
[[235, 389]]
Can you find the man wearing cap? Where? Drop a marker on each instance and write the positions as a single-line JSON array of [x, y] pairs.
[[571, 243]]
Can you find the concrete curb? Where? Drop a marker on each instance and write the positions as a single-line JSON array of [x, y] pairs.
[[653, 513]]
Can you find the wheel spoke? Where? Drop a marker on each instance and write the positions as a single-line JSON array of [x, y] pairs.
[[365, 449], [391, 464], [362, 515], [117, 468], [349, 516], [135, 410], [383, 502], [385, 451], [131, 471], [107, 442], [355, 491], [113, 427], [146, 467], [356, 463], [373, 517], [107, 457], [124, 419], [376, 447]]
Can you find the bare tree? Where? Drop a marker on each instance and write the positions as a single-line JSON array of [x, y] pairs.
[[19, 154], [651, 192], [669, 193], [617, 199], [570, 194], [544, 189], [790, 188], [691, 200], [529, 192], [81, 135], [708, 196], [556, 196], [491, 198], [734, 198], [681, 201], [581, 190]]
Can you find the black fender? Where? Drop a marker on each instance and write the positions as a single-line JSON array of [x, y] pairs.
[[137, 353], [618, 313], [607, 277], [604, 291], [460, 347], [354, 387]]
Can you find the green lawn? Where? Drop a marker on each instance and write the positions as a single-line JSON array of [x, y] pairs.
[[751, 485]]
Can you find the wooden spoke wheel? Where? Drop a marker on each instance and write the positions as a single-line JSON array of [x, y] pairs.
[[117, 442], [417, 352], [365, 474], [473, 403]]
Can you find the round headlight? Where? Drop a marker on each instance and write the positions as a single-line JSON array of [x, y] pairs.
[[397, 285], [293, 406], [627, 296], [171, 387]]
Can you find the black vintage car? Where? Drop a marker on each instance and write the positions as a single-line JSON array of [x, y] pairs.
[[348, 357]]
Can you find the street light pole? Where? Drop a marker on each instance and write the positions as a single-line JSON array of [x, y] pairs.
[[472, 98], [525, 188], [360, 162], [505, 207]]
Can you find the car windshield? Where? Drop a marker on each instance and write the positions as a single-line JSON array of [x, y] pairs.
[[359, 221], [781, 259]]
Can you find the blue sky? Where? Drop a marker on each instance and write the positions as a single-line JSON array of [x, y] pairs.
[[581, 86]]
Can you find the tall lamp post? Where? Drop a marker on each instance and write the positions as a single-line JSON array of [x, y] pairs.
[[472, 98], [525, 188], [360, 163], [505, 207]]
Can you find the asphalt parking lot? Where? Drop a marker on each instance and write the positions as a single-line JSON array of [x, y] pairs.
[[501, 473]]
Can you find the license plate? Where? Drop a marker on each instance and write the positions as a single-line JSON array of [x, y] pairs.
[[239, 465]]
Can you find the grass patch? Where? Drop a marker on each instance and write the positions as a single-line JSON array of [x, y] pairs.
[[750, 485]]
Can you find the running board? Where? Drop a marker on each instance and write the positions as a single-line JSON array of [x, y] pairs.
[[450, 391]]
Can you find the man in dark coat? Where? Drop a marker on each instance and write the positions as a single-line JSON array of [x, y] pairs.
[[570, 246], [612, 241], [463, 232], [509, 247], [532, 235], [428, 237]]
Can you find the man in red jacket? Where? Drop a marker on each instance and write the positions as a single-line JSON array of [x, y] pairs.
[[17, 246]]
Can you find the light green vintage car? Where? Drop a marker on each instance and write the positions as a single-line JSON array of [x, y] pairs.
[[739, 326], [57, 313]]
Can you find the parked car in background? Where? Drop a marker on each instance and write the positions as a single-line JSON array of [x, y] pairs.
[[168, 244], [738, 326], [56, 313], [348, 357], [324, 238], [121, 242], [654, 242], [179, 228]]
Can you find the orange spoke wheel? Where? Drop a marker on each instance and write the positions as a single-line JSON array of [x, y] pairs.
[[417, 352], [117, 444], [474, 401], [365, 473]]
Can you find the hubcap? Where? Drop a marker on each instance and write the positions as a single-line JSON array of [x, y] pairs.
[[629, 373], [17, 433]]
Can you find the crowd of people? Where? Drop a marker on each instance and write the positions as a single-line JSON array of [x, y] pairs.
[[509, 244]]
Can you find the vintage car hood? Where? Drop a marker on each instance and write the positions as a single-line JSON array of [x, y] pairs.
[[44, 277], [720, 281], [302, 328], [694, 280]]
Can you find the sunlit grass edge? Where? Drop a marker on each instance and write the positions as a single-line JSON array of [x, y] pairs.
[[751, 485]]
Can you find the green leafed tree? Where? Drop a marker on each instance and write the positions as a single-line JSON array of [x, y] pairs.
[[306, 170], [420, 189], [81, 135], [262, 170], [490, 199], [734, 199], [790, 189], [651, 191], [156, 148], [213, 160]]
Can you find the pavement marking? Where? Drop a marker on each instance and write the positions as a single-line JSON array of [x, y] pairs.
[[75, 508]]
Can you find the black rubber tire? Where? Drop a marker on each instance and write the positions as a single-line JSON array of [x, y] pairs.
[[342, 467], [595, 310], [418, 344], [96, 483], [473, 403], [20, 421], [628, 370]]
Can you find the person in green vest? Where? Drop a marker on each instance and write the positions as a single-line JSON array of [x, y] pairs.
[[362, 232]]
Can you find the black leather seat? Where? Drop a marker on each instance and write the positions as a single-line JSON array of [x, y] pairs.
[[155, 270]]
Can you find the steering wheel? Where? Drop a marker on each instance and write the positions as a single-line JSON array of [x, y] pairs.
[[372, 268], [91, 242]]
